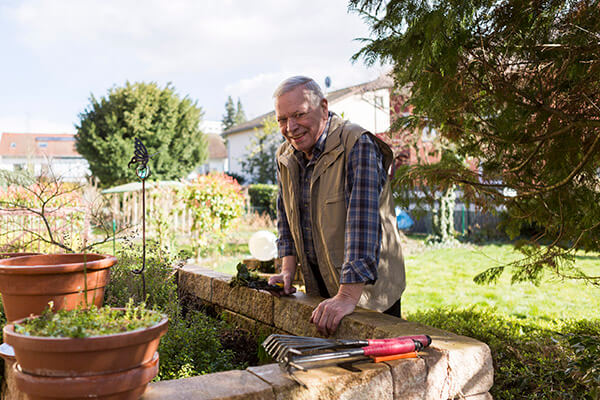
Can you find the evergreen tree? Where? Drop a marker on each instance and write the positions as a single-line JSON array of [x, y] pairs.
[[259, 163], [165, 123], [229, 117], [240, 116], [515, 87]]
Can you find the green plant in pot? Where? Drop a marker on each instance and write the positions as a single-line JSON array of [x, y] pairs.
[[94, 352]]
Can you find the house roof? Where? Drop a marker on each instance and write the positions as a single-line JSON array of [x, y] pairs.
[[216, 146], [384, 81], [38, 145]]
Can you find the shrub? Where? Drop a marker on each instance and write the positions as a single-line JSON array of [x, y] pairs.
[[191, 345], [263, 198], [215, 200], [546, 364]]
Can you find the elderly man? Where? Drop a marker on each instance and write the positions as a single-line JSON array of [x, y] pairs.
[[335, 209]]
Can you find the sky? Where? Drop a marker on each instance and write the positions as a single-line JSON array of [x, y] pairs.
[[56, 53]]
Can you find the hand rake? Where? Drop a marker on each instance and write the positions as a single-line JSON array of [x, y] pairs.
[[375, 350], [278, 346]]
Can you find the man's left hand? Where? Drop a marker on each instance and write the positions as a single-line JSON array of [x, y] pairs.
[[328, 315]]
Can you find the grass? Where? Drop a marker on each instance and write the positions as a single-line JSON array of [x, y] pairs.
[[444, 278]]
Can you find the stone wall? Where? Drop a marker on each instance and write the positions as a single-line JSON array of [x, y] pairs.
[[453, 367]]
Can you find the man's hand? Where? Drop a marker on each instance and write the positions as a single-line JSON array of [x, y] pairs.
[[328, 315], [288, 271]]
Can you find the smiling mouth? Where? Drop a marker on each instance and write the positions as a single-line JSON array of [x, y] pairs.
[[296, 137]]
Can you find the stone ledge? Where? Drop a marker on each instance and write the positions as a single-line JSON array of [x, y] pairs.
[[452, 367]]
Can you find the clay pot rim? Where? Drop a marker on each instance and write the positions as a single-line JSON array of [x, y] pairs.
[[112, 383], [17, 254], [46, 266], [72, 345]]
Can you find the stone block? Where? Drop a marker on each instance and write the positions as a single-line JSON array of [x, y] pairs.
[[242, 300], [292, 314], [457, 365], [194, 284], [230, 385], [374, 381], [9, 390]]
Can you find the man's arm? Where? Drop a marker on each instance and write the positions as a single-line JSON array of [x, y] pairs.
[[285, 249], [365, 177]]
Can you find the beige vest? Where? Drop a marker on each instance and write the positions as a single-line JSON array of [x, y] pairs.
[[328, 214]]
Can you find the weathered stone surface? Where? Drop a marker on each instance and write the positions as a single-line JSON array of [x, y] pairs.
[[457, 365], [9, 385], [330, 383], [230, 385], [470, 366], [452, 367], [409, 378], [195, 283], [292, 314], [249, 302]]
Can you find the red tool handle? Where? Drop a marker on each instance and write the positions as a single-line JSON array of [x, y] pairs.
[[425, 340], [396, 347]]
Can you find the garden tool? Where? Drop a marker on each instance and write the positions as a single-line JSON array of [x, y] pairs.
[[390, 348], [398, 349], [278, 346]]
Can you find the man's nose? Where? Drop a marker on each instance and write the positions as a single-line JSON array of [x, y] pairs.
[[291, 124]]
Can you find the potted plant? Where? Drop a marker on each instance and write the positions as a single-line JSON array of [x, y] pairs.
[[96, 352], [28, 283]]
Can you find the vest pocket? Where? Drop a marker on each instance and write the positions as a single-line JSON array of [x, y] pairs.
[[333, 224]]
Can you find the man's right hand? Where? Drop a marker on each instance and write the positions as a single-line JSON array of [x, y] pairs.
[[288, 271]]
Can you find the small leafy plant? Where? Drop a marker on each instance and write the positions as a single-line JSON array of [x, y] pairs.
[[83, 323]]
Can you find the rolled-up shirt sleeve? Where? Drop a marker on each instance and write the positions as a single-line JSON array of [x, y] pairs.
[[365, 178], [285, 241]]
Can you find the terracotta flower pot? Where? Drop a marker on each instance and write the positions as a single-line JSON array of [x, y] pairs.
[[68, 357], [125, 385], [9, 255], [28, 283]]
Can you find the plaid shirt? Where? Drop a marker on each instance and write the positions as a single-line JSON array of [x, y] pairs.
[[365, 177]]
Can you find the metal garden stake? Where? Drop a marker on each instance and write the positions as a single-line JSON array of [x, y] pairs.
[[142, 170]]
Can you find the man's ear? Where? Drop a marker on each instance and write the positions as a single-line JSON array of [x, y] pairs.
[[324, 106]]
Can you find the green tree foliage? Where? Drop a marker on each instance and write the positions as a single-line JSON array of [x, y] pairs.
[[515, 86], [164, 122], [259, 163], [240, 115], [228, 119], [233, 116]]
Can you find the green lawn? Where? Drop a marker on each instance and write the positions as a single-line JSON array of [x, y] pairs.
[[444, 278]]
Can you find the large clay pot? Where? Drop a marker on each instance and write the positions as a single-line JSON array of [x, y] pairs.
[[10, 255], [68, 357], [125, 385], [28, 283]]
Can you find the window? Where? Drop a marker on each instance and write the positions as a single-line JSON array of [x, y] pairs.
[[43, 144], [13, 145]]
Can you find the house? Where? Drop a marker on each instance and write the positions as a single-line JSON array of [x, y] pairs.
[[41, 152], [367, 104], [217, 156]]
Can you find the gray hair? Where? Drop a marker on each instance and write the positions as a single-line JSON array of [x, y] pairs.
[[295, 81]]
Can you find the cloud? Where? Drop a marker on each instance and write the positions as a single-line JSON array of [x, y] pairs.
[[208, 49]]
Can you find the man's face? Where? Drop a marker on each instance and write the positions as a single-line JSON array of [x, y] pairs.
[[299, 120]]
